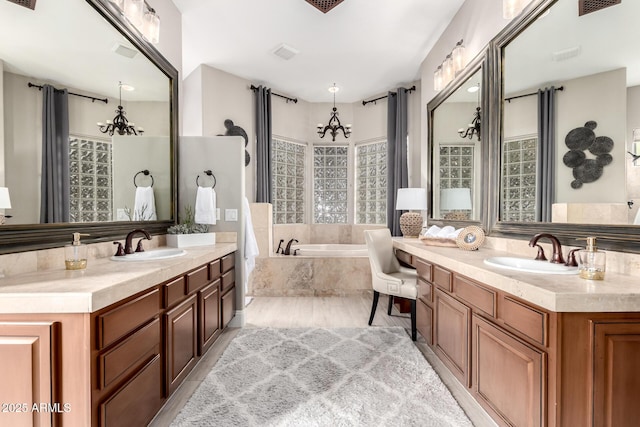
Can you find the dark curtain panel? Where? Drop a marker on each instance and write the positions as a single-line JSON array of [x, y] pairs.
[[546, 154], [54, 187], [397, 170], [263, 145]]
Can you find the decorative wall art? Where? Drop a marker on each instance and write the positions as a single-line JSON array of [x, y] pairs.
[[233, 130], [580, 140]]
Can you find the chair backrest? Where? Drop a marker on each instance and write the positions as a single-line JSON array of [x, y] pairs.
[[380, 249]]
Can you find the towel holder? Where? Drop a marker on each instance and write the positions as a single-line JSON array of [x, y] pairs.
[[145, 172], [209, 173]]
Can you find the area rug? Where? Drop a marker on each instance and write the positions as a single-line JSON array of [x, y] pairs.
[[322, 377]]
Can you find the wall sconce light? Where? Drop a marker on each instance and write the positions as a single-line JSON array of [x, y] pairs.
[[452, 64], [142, 16]]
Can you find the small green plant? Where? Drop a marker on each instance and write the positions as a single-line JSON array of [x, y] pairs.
[[188, 225]]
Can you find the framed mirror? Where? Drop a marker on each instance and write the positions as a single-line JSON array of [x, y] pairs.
[[457, 147], [89, 49], [568, 122]]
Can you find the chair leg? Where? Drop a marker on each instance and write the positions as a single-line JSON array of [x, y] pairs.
[[376, 295], [390, 305], [413, 320]]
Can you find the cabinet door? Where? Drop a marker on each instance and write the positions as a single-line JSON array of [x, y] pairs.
[[209, 316], [181, 342], [616, 382], [451, 334], [228, 306], [424, 321], [509, 376]]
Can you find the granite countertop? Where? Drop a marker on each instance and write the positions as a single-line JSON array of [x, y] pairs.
[[555, 292], [102, 283]]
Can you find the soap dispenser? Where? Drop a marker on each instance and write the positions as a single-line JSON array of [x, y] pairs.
[[75, 254], [591, 261]]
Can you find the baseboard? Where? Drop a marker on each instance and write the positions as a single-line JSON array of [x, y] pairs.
[[239, 320]]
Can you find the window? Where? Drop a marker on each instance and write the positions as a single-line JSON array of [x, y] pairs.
[[288, 181], [90, 180], [371, 183], [518, 198], [330, 168], [456, 169]]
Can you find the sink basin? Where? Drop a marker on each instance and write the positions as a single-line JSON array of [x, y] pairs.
[[529, 265], [151, 255]]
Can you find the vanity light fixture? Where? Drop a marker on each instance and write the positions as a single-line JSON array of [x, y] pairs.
[[473, 129], [334, 122], [142, 16], [512, 8], [452, 64], [120, 124]]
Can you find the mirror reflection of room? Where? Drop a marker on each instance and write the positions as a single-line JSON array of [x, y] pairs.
[[571, 104]]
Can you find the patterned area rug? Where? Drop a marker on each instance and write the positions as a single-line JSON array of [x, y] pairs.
[[322, 377]]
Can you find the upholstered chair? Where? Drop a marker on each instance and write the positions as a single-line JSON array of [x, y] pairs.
[[388, 276]]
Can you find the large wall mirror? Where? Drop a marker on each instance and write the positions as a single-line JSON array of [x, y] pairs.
[[457, 147], [88, 48], [570, 123]]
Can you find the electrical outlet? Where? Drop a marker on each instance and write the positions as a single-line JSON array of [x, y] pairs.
[[121, 215], [231, 214]]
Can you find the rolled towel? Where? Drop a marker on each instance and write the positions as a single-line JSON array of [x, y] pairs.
[[144, 205], [205, 206], [445, 232], [432, 231]]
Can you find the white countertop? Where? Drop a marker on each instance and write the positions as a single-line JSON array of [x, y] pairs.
[[102, 283], [555, 292]]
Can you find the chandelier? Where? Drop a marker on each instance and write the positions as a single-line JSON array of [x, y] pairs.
[[120, 124], [334, 122], [473, 129]]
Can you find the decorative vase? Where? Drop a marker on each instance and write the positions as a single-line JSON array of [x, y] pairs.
[[187, 240]]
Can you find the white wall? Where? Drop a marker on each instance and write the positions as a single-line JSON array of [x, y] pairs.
[[633, 171]]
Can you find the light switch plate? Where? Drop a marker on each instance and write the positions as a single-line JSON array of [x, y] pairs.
[[217, 214], [231, 214]]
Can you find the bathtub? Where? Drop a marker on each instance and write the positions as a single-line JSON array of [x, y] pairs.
[[331, 250]]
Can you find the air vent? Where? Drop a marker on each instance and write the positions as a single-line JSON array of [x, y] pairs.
[[285, 51], [123, 50], [563, 55], [324, 6], [588, 6], [31, 4]]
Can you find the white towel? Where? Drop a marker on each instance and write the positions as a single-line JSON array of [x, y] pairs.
[[250, 245], [144, 206], [636, 220], [205, 206]]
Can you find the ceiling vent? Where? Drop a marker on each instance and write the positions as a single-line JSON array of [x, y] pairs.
[[285, 51], [588, 6], [123, 50], [324, 6], [563, 55], [31, 4]]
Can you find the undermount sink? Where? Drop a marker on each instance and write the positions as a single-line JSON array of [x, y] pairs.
[[529, 265], [151, 255]]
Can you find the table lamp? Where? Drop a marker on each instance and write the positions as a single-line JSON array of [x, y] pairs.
[[5, 202], [411, 199], [455, 200]]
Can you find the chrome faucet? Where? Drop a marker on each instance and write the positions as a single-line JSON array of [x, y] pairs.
[[556, 257], [128, 245], [287, 250]]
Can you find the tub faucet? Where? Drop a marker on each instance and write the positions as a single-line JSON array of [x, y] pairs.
[[128, 245], [287, 250], [556, 257], [280, 250]]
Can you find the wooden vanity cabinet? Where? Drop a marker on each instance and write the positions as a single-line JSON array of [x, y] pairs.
[[228, 289]]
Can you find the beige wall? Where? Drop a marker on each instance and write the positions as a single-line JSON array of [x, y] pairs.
[[633, 171]]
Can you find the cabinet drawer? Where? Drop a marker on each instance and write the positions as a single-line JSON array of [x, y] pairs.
[[425, 290], [424, 321], [228, 261], [130, 355], [174, 291], [424, 269], [403, 257], [228, 306], [476, 295], [442, 278], [527, 320], [197, 279], [214, 269], [121, 320], [228, 279]]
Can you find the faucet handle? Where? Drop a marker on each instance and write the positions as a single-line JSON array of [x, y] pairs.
[[571, 258], [120, 250], [540, 256], [139, 247]]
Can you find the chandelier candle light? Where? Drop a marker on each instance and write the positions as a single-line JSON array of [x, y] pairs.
[[120, 124], [452, 65], [411, 199], [474, 127], [334, 122]]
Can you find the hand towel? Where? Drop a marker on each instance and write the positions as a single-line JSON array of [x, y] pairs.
[[144, 205], [251, 250], [205, 206]]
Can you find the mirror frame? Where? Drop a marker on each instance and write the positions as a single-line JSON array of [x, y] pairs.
[[613, 237], [479, 63], [28, 237]]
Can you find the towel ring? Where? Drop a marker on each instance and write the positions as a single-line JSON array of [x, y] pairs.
[[145, 173], [209, 173]]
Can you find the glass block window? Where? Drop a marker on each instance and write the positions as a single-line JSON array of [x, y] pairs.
[[330, 167], [371, 183], [287, 181], [518, 199], [90, 180], [456, 169]]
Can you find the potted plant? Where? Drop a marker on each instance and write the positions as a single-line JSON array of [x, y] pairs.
[[188, 233]]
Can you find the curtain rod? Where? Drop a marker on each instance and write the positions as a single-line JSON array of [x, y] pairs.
[[105, 100], [530, 94], [294, 100], [411, 89]]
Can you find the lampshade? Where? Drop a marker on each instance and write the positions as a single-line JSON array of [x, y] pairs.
[[134, 11], [411, 199], [5, 201], [151, 26], [455, 199]]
